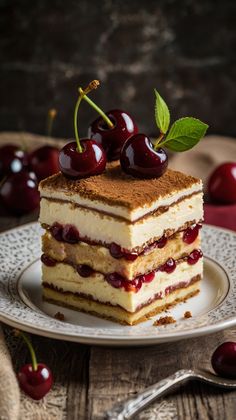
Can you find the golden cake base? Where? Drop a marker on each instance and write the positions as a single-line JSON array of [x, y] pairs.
[[116, 313]]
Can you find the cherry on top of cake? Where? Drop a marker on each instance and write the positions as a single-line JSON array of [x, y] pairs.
[[115, 135]]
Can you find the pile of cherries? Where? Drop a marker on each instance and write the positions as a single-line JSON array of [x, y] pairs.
[[20, 173], [114, 135]]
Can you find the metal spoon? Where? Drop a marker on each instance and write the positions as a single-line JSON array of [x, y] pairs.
[[127, 409]]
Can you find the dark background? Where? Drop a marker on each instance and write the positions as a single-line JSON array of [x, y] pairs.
[[186, 49]]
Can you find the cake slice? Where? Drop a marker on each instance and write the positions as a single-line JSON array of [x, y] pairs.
[[119, 247]]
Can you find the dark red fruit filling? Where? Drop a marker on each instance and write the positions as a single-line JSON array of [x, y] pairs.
[[134, 285], [84, 270], [191, 233], [161, 242], [117, 252], [70, 234], [117, 281], [50, 262], [169, 266], [194, 256], [147, 278], [56, 231], [67, 233]]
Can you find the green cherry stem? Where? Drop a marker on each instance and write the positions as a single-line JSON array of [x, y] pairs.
[[79, 147], [83, 95], [99, 110], [158, 143], [30, 347]]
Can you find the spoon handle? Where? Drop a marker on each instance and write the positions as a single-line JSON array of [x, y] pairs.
[[126, 410]]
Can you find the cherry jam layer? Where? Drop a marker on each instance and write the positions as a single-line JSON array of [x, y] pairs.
[[83, 270], [70, 234], [118, 281]]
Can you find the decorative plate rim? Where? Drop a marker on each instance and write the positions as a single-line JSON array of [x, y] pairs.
[[15, 312]]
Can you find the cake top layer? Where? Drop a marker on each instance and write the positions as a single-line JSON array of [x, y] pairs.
[[115, 189]]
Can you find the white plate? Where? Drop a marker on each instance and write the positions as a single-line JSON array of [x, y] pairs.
[[21, 305]]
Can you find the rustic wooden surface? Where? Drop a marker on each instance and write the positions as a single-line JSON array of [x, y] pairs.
[[97, 377]]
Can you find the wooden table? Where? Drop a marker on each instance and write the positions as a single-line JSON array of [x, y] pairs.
[[97, 377]]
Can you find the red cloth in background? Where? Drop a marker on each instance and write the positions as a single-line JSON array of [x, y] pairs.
[[200, 162], [223, 216]]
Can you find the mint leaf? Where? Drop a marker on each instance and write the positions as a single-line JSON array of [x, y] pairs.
[[162, 113], [184, 134]]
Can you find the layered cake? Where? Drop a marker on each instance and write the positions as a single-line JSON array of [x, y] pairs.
[[119, 247]]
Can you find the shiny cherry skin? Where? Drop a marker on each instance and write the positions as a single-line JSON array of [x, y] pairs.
[[112, 139], [222, 183], [12, 159], [224, 360], [44, 161], [91, 161], [19, 193], [35, 383], [139, 159]]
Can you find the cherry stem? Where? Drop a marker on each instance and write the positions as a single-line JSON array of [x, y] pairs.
[[30, 347], [99, 110], [79, 147], [158, 143], [51, 117], [83, 95]]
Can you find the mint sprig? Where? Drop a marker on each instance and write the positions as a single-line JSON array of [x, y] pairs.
[[184, 133]]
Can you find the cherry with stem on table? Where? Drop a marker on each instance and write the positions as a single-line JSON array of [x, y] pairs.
[[35, 378]]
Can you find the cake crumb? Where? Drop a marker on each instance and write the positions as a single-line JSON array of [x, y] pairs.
[[187, 314], [164, 320], [60, 316]]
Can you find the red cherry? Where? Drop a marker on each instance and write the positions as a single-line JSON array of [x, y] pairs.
[[70, 234], [169, 266], [222, 183], [50, 262], [224, 360], [191, 233], [115, 280], [112, 139], [194, 256], [12, 159], [161, 243], [117, 252], [44, 161], [84, 270], [57, 231], [35, 383], [91, 161], [19, 192], [147, 278], [139, 158]]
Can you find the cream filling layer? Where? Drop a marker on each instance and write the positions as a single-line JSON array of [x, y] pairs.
[[100, 227], [64, 276], [122, 211]]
